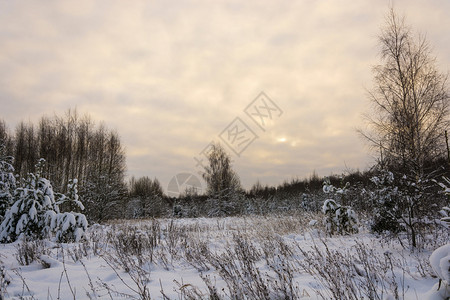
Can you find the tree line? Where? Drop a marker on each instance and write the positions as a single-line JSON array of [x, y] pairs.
[[74, 147]]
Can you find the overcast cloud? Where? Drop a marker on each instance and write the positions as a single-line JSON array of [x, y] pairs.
[[171, 75]]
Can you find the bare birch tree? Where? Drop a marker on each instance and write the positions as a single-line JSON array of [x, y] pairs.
[[410, 117], [410, 100]]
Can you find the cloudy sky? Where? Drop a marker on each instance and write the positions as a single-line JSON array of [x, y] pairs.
[[171, 76]]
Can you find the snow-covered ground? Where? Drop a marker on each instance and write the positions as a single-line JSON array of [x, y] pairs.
[[255, 258]]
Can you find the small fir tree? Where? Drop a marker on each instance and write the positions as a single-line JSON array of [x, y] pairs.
[[35, 212], [7, 181], [338, 219]]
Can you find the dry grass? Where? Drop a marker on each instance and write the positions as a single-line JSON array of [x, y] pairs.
[[238, 258]]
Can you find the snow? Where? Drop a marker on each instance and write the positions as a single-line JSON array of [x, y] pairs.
[[79, 204], [68, 220], [15, 208], [328, 204], [79, 234], [312, 222], [33, 212], [440, 262], [83, 267], [438, 292], [51, 262], [21, 224]]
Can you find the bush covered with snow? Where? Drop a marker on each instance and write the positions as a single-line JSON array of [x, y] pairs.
[[384, 198], [7, 181], [445, 211], [35, 212], [339, 219], [68, 226], [440, 262]]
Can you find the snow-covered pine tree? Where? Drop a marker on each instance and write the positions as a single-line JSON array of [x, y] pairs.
[[68, 226], [27, 215], [329, 209], [385, 199], [338, 219], [35, 212], [7, 181]]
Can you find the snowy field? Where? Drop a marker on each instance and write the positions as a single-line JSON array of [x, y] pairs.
[[276, 257]]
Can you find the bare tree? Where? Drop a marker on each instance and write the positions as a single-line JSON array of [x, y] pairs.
[[104, 188], [410, 99], [219, 174], [147, 196], [410, 116], [223, 184], [6, 138]]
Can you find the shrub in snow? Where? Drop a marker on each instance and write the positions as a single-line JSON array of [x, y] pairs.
[[329, 209], [5, 280], [328, 188], [384, 198], [440, 262], [227, 204], [68, 226], [338, 193], [310, 203], [26, 216], [445, 185], [445, 211], [71, 199], [445, 217], [29, 251], [177, 211], [7, 182], [339, 219], [35, 212]]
